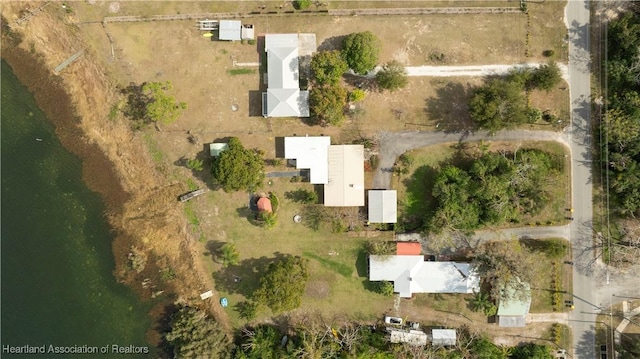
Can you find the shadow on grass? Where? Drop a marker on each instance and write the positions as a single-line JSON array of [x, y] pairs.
[[419, 186], [449, 107], [214, 249], [250, 215], [362, 263], [340, 268], [244, 278]]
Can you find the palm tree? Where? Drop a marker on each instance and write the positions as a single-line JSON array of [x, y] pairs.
[[229, 255], [482, 303], [268, 219]]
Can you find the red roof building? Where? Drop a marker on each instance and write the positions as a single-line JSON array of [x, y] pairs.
[[408, 248], [264, 205]]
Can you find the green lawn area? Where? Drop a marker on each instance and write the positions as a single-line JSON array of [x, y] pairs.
[[551, 269], [337, 261], [414, 189]]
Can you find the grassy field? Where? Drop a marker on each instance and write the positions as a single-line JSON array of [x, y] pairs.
[[414, 189], [337, 261]]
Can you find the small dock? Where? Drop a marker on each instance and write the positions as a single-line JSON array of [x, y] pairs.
[[192, 194]]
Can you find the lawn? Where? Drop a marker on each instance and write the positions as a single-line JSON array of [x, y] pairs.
[[337, 261], [555, 277], [414, 189]]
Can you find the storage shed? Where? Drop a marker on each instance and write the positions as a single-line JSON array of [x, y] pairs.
[[383, 206]]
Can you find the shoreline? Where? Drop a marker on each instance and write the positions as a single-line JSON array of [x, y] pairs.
[[115, 163]]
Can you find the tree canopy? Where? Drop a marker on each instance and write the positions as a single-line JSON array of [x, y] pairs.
[[498, 104], [545, 77], [284, 283], [151, 103], [532, 351], [508, 267], [360, 50], [194, 335], [393, 76], [328, 67], [621, 123], [327, 104], [238, 168], [496, 189]]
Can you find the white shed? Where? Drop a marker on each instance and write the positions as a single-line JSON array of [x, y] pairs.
[[383, 206]]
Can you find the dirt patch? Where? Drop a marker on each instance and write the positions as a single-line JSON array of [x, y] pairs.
[[318, 289]]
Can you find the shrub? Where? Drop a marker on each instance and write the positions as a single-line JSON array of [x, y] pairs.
[[247, 309], [356, 95], [137, 259], [393, 76], [195, 164], [251, 41], [301, 4], [548, 53], [381, 248], [533, 115], [374, 161], [274, 201], [386, 288]]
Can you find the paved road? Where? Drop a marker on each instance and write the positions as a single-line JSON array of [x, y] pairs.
[[582, 318], [393, 144]]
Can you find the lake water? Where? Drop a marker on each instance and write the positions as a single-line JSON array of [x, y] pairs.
[[57, 283]]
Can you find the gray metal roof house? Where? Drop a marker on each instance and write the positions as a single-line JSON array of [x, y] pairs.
[[283, 97]]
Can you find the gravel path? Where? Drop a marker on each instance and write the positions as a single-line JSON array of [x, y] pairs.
[[475, 70]]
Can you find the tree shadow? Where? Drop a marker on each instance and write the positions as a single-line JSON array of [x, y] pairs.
[[249, 214], [163, 325], [419, 186], [449, 108], [362, 263], [332, 43], [244, 278], [361, 82], [214, 248]]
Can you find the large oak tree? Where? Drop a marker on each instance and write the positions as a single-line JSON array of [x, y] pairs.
[[238, 168]]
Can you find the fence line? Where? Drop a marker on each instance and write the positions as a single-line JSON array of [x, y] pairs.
[[336, 12]]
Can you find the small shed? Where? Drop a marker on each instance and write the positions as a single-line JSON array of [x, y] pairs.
[[443, 337], [264, 205], [229, 30], [408, 248], [215, 149], [247, 32], [512, 312], [383, 206]]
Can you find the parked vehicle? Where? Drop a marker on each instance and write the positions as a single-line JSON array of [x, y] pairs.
[[393, 320]]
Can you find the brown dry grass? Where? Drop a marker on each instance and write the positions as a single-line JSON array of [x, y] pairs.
[[176, 51]]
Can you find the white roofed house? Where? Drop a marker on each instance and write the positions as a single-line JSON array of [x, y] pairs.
[[310, 153], [383, 206], [412, 274], [346, 176], [283, 97]]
